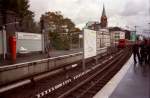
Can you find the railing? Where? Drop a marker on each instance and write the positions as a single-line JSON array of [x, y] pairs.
[[11, 73]]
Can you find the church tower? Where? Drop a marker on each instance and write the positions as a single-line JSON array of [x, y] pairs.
[[103, 19]]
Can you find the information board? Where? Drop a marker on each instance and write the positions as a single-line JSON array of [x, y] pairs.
[[89, 43], [30, 41]]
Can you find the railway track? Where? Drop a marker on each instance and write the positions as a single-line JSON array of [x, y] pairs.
[[89, 84]]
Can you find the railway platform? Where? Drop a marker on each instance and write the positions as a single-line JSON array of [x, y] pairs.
[[37, 56], [132, 81]]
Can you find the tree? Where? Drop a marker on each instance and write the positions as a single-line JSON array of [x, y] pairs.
[[21, 9], [57, 25]]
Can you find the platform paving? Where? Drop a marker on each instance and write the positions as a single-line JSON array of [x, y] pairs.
[[135, 84], [132, 81]]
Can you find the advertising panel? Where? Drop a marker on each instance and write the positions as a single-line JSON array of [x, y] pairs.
[[89, 43]]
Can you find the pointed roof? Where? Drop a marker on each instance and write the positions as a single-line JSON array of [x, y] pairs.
[[104, 12]]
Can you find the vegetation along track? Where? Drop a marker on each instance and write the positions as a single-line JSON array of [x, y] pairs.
[[88, 85]]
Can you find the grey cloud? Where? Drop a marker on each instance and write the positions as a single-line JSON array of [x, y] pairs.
[[134, 7], [123, 12]]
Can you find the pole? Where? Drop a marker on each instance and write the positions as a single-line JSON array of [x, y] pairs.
[[96, 59], [149, 30], [4, 42], [43, 34], [83, 60], [135, 29], [43, 50], [79, 40], [135, 32], [70, 41]]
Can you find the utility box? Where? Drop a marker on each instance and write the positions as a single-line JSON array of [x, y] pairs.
[[12, 42]]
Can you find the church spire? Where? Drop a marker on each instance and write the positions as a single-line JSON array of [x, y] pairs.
[[103, 13], [103, 18]]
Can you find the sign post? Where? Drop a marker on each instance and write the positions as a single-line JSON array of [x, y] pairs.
[[83, 60]]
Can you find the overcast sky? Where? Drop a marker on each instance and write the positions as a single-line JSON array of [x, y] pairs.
[[119, 12]]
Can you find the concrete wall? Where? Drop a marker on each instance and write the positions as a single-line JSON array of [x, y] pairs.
[[16, 72]]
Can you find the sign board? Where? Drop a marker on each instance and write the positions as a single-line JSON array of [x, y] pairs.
[[28, 36], [29, 41], [122, 35], [89, 43]]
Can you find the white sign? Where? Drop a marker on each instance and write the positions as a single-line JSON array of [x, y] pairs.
[[122, 35], [89, 43], [32, 36]]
